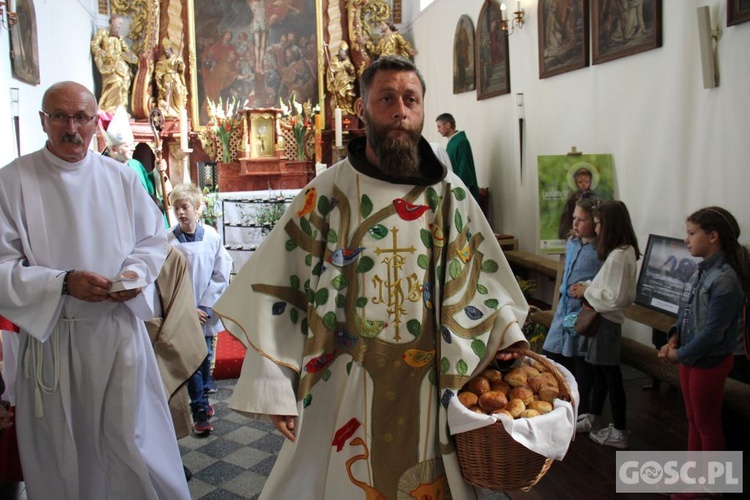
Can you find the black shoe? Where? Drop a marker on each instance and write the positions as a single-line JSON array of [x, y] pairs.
[[201, 424], [188, 474]]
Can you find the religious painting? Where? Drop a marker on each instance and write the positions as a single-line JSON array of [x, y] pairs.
[[255, 52], [463, 56], [491, 53], [563, 179], [738, 11], [23, 39], [563, 36], [621, 29]]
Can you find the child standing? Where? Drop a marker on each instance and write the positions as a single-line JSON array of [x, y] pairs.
[[611, 291], [708, 328], [209, 265], [581, 264]]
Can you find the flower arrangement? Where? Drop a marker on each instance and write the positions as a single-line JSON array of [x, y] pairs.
[[225, 118], [301, 118], [211, 212]]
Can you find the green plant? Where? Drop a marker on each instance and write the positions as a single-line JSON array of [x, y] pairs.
[[211, 212], [268, 214]]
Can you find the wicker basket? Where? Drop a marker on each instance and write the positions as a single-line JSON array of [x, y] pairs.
[[490, 458]]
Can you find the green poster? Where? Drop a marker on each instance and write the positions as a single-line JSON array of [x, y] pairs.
[[562, 180]]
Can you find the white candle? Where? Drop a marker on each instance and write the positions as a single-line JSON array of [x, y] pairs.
[[338, 127], [183, 130], [518, 6], [502, 10]]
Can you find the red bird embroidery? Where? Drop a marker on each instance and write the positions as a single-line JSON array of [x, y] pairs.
[[319, 362], [409, 211], [345, 432]]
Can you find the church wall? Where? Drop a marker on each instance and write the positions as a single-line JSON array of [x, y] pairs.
[[64, 30], [676, 146]]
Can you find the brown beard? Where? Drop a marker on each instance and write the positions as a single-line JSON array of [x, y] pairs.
[[397, 156]]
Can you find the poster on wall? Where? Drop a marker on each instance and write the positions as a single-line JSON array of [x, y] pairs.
[[563, 179], [255, 51], [23, 39]]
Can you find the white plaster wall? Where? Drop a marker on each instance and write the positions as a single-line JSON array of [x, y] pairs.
[[64, 30], [676, 146]]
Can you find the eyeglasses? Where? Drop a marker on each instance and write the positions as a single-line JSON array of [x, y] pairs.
[[60, 118]]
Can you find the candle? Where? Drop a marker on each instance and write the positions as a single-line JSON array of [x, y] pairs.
[[339, 131], [502, 10], [318, 122], [183, 130], [518, 6]]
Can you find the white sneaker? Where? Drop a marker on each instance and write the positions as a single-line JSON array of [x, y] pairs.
[[585, 422], [609, 436]]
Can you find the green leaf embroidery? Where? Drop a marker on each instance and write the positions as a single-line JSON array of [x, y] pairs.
[[426, 237], [445, 365], [491, 303], [340, 282], [290, 245], [479, 347], [332, 236], [318, 269], [326, 375], [414, 327], [330, 320], [321, 297], [308, 259], [378, 231], [462, 368], [423, 261], [294, 281], [349, 367], [307, 400], [361, 301], [482, 289], [459, 193], [294, 315], [459, 221], [365, 206], [365, 264], [303, 326], [454, 269], [324, 206], [433, 200], [304, 224], [340, 301], [489, 266]]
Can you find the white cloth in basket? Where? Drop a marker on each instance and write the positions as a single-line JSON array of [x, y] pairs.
[[548, 435]]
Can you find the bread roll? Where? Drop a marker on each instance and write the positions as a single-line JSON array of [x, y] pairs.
[[500, 386], [478, 385], [516, 377], [538, 365], [523, 393], [549, 394], [549, 378], [492, 400], [515, 407], [529, 413], [492, 375], [477, 409], [541, 406], [536, 383], [468, 399], [503, 411], [530, 370]]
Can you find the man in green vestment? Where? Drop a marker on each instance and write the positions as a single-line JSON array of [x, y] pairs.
[[459, 151]]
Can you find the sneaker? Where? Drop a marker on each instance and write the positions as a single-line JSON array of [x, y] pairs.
[[212, 390], [201, 424], [210, 410], [585, 422], [609, 436]]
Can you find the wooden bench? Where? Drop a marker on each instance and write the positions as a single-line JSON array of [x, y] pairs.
[[640, 356]]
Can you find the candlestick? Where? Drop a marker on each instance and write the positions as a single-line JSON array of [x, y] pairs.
[[183, 130], [502, 10], [338, 127]]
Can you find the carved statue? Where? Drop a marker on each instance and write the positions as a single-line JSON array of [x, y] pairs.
[[390, 43], [341, 78], [112, 55], [170, 80]]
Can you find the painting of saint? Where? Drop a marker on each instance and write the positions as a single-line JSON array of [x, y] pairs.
[[25, 54]]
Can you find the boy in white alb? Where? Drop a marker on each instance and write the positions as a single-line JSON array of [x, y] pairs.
[[209, 265]]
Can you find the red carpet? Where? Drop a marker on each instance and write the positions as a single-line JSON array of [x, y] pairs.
[[230, 353]]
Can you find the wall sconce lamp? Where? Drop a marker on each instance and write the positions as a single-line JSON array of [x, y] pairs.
[[509, 25], [8, 18]]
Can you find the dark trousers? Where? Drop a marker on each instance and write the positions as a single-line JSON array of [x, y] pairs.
[[585, 379], [608, 380]]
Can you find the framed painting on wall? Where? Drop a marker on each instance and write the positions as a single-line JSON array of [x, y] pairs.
[[563, 36], [620, 29], [25, 54], [491, 53], [254, 51], [463, 56], [738, 11]]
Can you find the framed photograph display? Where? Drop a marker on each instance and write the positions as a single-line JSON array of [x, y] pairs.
[[563, 37], [738, 11], [491, 53], [463, 56], [664, 282], [619, 29]]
